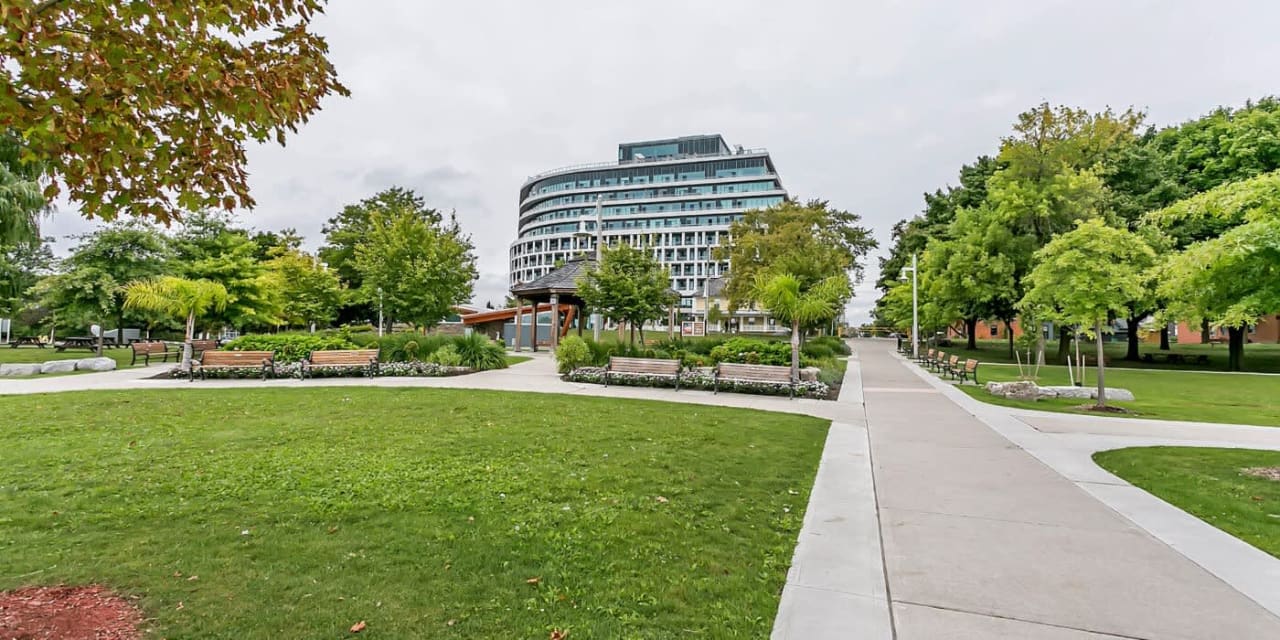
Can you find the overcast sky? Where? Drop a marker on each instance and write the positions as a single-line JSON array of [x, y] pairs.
[[866, 104]]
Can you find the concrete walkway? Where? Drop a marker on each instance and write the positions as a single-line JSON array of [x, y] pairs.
[[934, 515], [984, 540]]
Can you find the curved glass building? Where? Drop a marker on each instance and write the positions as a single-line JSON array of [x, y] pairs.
[[673, 197]]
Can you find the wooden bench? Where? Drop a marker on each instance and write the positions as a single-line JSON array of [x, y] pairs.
[[753, 373], [234, 360], [148, 349], [201, 346], [643, 366], [939, 357], [926, 356], [366, 358], [970, 371], [949, 367]]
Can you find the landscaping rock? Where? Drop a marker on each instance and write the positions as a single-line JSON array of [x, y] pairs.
[[95, 364], [1020, 390], [58, 366], [1027, 390], [13, 370], [1090, 393], [809, 374]]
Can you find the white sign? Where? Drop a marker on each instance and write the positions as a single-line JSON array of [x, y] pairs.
[[695, 329]]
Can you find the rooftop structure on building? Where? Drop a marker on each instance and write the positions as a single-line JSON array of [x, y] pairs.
[[674, 197]]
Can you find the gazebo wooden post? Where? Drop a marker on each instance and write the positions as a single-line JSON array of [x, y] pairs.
[[519, 324], [671, 322], [555, 321], [581, 316]]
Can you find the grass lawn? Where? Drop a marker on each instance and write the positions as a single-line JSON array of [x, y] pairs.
[[425, 512], [1209, 484], [32, 354], [513, 359], [1167, 395], [1258, 357]]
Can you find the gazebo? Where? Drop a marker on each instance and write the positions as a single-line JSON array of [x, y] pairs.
[[559, 290]]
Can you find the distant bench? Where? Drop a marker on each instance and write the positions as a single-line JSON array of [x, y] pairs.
[[266, 360], [366, 358], [148, 349], [643, 366], [732, 372]]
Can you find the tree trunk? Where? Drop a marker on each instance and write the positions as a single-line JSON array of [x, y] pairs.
[[1039, 329], [795, 351], [1008, 329], [186, 346], [1235, 344], [633, 332], [971, 327], [1064, 346], [1164, 337], [1131, 350], [120, 328], [101, 333], [1204, 331], [1102, 387]]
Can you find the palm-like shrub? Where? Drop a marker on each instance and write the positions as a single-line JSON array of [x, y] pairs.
[[480, 353]]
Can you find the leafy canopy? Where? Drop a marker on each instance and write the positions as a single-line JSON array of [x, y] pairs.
[[418, 267], [146, 107], [628, 285]]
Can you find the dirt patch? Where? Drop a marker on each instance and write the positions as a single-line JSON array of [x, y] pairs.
[[1107, 409], [67, 613], [1270, 473]]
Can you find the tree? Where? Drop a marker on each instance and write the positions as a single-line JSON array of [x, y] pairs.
[[275, 243], [810, 241], [82, 295], [310, 291], [1087, 275], [21, 267], [420, 267], [146, 107], [21, 197], [715, 315], [116, 254], [180, 298], [209, 248], [1230, 280], [790, 301], [628, 285]]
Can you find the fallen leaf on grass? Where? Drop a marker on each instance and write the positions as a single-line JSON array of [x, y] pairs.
[[533, 581], [662, 500], [450, 623], [557, 634], [179, 607], [358, 627], [193, 578]]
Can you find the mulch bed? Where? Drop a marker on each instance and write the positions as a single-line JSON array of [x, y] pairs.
[[1270, 473], [67, 613], [1107, 409]]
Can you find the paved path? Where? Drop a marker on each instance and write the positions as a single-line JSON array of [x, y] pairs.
[[982, 539], [934, 515]]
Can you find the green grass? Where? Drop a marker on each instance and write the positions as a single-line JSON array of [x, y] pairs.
[[1208, 484], [1258, 358], [408, 508], [517, 359], [32, 354], [1165, 395]]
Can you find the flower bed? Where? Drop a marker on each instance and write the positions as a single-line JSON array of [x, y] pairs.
[[294, 370], [698, 379]]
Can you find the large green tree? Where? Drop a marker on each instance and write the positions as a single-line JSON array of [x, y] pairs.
[[629, 285], [179, 298], [310, 291], [1086, 276], [21, 197], [21, 267], [811, 241], [1230, 279], [418, 266], [210, 247], [104, 261], [146, 107]]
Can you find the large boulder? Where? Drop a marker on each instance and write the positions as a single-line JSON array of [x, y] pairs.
[[809, 374], [14, 370], [95, 364], [58, 366], [1090, 393]]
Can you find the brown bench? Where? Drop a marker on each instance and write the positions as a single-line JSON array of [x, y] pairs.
[[753, 373], [201, 346], [950, 365], [939, 358], [926, 356], [366, 358], [234, 360], [148, 349], [643, 366], [970, 371]]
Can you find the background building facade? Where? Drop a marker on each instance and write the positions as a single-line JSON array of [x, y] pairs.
[[674, 198]]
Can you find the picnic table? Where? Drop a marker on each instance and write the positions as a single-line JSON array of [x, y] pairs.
[[84, 342], [25, 340]]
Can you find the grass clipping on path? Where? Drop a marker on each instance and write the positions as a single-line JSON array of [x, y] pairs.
[[420, 512], [1235, 490]]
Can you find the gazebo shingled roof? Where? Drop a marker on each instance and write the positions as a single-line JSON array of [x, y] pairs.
[[562, 282]]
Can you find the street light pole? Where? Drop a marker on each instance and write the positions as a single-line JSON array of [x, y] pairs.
[[595, 315], [380, 321], [915, 313]]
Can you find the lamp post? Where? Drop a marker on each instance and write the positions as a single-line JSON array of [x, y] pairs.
[[381, 323], [595, 314], [915, 309]]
